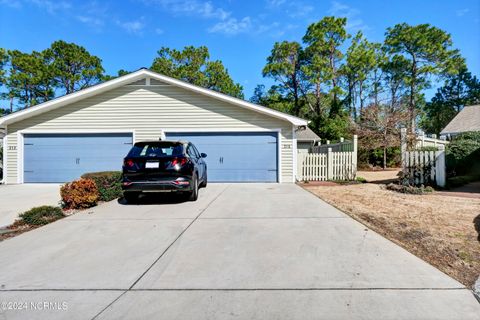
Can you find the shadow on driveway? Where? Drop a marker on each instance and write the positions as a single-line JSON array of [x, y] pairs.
[[156, 199]]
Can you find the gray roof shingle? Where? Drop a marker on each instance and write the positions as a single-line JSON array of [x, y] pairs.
[[466, 120], [307, 135]]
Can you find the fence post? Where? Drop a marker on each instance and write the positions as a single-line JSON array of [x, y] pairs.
[[403, 146], [300, 166], [329, 164], [440, 175], [354, 156]]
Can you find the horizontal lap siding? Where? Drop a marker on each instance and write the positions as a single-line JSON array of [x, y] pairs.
[[148, 110]]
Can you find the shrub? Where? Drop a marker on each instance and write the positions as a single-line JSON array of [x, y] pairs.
[[42, 215], [463, 153], [108, 184], [79, 194], [409, 189], [361, 180]]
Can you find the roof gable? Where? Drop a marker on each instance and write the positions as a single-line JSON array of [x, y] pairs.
[[137, 77]]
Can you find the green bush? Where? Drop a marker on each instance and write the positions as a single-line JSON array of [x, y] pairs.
[[459, 181], [463, 154], [79, 194], [108, 184], [361, 180], [42, 215], [428, 148]]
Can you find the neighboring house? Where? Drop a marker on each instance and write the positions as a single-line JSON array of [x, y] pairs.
[[466, 120], [93, 129], [306, 139]]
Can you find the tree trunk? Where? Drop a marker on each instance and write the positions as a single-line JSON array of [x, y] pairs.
[[411, 106], [384, 157]]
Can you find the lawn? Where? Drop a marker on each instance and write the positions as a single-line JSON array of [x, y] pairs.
[[442, 230]]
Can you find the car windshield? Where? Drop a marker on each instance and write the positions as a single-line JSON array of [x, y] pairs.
[[156, 149]]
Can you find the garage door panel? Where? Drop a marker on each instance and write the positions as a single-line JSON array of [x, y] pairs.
[[65, 157], [236, 156]]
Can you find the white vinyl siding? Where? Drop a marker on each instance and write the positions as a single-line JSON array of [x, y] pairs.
[[147, 110]]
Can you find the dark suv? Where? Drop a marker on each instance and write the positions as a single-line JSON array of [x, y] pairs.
[[163, 166]]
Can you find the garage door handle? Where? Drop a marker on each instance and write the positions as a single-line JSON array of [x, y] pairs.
[[77, 161]]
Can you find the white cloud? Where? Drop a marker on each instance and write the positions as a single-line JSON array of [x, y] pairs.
[[298, 10], [133, 27], [204, 9], [51, 7], [159, 31], [275, 3], [462, 12], [93, 22], [11, 3], [354, 23], [232, 26]]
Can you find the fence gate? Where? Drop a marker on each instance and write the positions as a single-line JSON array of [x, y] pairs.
[[328, 165], [423, 166]]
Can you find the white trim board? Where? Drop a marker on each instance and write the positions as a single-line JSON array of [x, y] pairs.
[[135, 76]]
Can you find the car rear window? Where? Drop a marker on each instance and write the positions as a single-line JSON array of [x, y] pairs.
[[156, 149]]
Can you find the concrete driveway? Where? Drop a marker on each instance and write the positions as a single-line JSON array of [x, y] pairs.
[[242, 251], [16, 199]]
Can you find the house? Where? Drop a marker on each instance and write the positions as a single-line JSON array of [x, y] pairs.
[[466, 120], [306, 139], [93, 130]]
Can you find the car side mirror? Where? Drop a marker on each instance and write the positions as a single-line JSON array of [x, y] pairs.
[[203, 155]]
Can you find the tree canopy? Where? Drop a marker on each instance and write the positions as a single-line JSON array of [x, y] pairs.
[[193, 65]]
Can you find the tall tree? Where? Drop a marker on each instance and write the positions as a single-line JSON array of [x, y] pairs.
[[3, 63], [284, 66], [428, 51], [460, 90], [29, 80], [73, 67], [193, 65], [361, 60], [323, 52]]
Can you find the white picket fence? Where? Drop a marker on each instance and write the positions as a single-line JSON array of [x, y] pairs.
[[423, 167], [327, 166], [423, 141]]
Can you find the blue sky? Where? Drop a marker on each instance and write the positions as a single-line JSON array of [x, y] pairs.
[[126, 34]]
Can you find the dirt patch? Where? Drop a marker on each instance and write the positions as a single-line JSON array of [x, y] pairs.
[[444, 231], [15, 229]]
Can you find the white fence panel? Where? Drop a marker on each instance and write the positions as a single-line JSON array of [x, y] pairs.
[[423, 167]]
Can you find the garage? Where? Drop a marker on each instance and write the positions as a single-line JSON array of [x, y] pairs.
[[236, 156], [92, 130], [65, 157]]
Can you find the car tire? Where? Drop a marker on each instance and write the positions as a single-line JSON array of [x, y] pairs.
[[130, 197], [193, 196], [204, 182]]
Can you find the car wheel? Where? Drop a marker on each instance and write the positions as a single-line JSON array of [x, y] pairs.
[[194, 193], [130, 197]]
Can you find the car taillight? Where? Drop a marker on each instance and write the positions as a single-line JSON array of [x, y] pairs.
[[178, 161], [128, 163]]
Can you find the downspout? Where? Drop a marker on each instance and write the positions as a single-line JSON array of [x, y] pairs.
[[4, 155]]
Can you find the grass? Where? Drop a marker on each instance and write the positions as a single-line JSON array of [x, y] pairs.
[[442, 230]]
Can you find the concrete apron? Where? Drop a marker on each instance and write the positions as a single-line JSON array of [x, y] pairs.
[[242, 251]]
